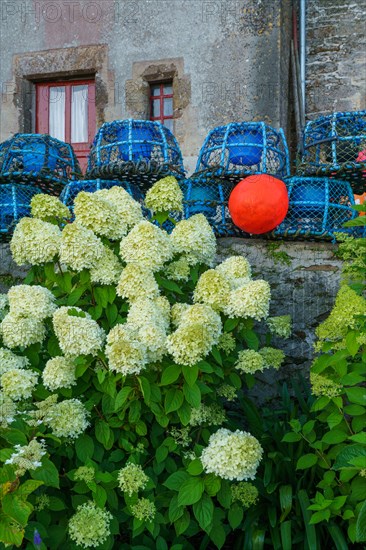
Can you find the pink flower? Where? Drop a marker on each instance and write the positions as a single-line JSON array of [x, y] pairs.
[[361, 156]]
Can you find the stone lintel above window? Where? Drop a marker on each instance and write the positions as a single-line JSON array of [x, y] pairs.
[[146, 73]]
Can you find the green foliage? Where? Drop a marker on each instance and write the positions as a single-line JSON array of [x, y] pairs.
[[142, 419], [278, 256], [333, 434]]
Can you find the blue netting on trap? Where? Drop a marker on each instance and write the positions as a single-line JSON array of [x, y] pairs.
[[318, 208], [209, 196], [140, 151], [335, 145], [74, 187], [40, 160], [14, 204], [244, 148]]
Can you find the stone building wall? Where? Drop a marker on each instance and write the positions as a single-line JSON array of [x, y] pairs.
[[336, 56], [228, 59]]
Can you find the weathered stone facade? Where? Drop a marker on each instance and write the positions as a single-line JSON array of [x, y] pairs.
[[228, 59], [336, 56]]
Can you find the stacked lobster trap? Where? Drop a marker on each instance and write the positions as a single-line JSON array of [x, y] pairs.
[[132, 154], [31, 164], [318, 208], [335, 146], [331, 172], [229, 154]]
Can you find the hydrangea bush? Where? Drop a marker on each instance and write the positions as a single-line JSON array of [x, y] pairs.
[[119, 356]]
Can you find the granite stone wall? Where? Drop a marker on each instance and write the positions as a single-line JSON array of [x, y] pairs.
[[336, 56]]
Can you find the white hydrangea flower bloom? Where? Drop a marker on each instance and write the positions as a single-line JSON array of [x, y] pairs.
[[77, 332], [37, 416], [107, 270], [11, 361], [232, 455], [137, 282], [251, 300], [131, 478], [35, 242], [272, 357], [46, 207], [31, 301], [8, 410], [195, 239], [128, 209], [125, 351], [67, 419], [147, 245], [250, 362], [27, 457], [199, 329], [165, 196], [144, 509], [84, 473], [100, 215], [150, 319], [213, 289], [236, 270], [18, 384], [178, 270], [177, 312], [89, 526], [20, 332], [80, 247], [144, 311], [245, 493], [59, 372], [209, 415]]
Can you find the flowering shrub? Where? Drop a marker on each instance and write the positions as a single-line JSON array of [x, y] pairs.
[[119, 355], [335, 435]]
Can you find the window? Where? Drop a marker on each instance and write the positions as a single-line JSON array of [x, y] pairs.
[[66, 111], [161, 103]]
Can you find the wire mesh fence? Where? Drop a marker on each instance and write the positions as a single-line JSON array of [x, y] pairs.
[[335, 146], [40, 160], [244, 148], [140, 151], [14, 204]]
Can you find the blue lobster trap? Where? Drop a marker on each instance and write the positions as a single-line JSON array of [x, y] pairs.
[[14, 204], [335, 146], [209, 196], [140, 151], [318, 208], [40, 160], [74, 187], [244, 148]]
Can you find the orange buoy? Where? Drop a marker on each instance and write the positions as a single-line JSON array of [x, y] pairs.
[[258, 204]]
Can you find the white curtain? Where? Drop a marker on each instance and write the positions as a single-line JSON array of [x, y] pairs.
[[57, 112], [79, 114]]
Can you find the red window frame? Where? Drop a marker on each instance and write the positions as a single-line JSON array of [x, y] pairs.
[[161, 118], [42, 113]]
